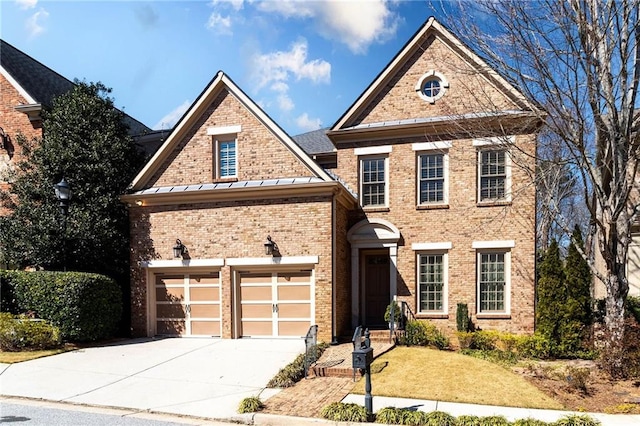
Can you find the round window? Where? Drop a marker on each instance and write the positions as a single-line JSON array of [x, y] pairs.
[[432, 86]]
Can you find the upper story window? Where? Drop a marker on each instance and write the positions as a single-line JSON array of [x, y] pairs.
[[433, 172], [432, 86], [374, 176], [494, 170], [225, 151]]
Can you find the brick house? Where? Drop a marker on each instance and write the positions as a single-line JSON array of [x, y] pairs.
[[422, 191]]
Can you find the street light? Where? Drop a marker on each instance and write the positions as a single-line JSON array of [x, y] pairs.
[[63, 194]]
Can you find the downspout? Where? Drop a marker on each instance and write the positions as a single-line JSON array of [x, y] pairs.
[[334, 339]]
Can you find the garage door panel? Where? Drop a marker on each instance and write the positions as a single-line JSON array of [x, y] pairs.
[[294, 292], [294, 277], [199, 294], [297, 310], [256, 292], [257, 328], [264, 278], [171, 327], [170, 294], [205, 328], [257, 311], [170, 311], [293, 328], [170, 280], [209, 279], [205, 311]]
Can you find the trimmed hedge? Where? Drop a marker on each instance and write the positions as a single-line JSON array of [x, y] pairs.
[[85, 307], [22, 333]]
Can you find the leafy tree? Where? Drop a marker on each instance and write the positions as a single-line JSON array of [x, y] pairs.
[[551, 294], [574, 329], [85, 141], [580, 61]]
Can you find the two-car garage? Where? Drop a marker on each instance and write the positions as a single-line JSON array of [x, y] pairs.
[[264, 302]]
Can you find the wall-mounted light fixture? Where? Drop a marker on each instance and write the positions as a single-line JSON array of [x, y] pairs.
[[180, 250], [3, 138], [270, 247]]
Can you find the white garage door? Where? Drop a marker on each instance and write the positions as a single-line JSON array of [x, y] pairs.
[[276, 303], [188, 304]]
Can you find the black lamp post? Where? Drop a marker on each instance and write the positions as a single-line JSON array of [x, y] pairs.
[[63, 194]]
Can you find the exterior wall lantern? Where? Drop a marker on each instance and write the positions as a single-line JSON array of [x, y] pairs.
[[179, 250], [270, 247]]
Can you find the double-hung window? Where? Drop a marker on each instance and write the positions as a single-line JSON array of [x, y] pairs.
[[494, 276], [433, 161], [374, 176], [225, 151], [432, 273], [494, 170]]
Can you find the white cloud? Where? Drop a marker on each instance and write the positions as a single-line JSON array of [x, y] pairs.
[[285, 103], [27, 4], [308, 124], [169, 120], [278, 67], [34, 23], [220, 24], [357, 24], [235, 4]]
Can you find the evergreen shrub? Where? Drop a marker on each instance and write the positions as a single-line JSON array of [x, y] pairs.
[[423, 333], [18, 333]]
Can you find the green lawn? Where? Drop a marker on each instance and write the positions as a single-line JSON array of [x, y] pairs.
[[422, 373]]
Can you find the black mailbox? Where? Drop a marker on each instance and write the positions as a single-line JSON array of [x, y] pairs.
[[362, 358]]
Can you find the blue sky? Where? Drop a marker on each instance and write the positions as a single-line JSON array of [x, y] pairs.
[[304, 62]]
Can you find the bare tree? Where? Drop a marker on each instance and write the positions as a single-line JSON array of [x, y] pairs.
[[580, 60]]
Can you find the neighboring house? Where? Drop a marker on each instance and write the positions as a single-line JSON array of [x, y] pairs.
[[27, 87], [428, 197]]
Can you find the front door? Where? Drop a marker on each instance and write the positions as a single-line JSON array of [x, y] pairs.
[[376, 288]]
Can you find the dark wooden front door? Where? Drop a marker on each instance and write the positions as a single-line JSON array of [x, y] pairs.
[[375, 288]]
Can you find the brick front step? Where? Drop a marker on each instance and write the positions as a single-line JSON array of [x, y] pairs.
[[336, 360]]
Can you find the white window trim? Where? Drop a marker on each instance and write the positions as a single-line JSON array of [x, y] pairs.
[[431, 146], [260, 261], [216, 143], [507, 280], [496, 140], [386, 180], [444, 85], [373, 150], [496, 244], [445, 166], [182, 263], [507, 168], [226, 130], [445, 278]]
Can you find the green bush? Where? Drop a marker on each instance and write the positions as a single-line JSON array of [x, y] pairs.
[[577, 420], [391, 416], [462, 317], [294, 371], [86, 307], [423, 333], [250, 405], [22, 333], [439, 418], [534, 346], [464, 339], [344, 412], [484, 340], [494, 421], [397, 314], [529, 422], [468, 420]]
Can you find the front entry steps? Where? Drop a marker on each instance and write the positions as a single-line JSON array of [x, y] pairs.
[[336, 360]]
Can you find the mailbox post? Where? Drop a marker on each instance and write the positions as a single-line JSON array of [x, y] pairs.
[[362, 358]]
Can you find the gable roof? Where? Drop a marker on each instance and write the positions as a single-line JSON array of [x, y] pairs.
[[39, 84], [429, 27], [219, 82]]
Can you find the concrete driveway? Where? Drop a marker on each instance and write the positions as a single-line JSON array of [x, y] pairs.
[[189, 376]]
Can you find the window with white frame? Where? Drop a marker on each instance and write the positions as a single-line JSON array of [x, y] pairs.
[[433, 171], [226, 165], [431, 282], [493, 176], [493, 281], [373, 181], [225, 151]]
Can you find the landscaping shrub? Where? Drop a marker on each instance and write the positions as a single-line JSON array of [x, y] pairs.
[[577, 420], [462, 317], [344, 412], [464, 339], [21, 333], [86, 307], [533, 346], [294, 371], [494, 421], [397, 314], [529, 422], [423, 333], [439, 418], [468, 420], [391, 416], [250, 405], [577, 378]]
